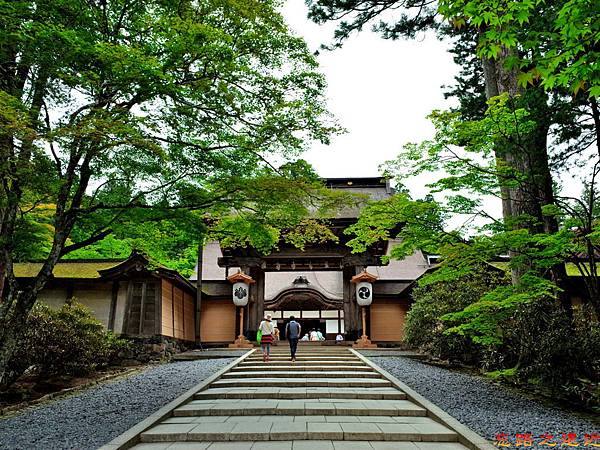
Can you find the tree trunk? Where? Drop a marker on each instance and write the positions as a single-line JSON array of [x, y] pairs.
[[12, 329], [522, 205]]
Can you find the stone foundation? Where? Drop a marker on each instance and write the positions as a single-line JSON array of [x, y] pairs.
[[152, 348]]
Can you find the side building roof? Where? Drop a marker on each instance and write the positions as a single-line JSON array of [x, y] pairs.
[[70, 268], [102, 270]]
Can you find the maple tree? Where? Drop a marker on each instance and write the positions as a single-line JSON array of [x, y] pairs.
[[122, 111]]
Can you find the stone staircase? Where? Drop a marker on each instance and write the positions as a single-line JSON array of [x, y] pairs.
[[328, 399]]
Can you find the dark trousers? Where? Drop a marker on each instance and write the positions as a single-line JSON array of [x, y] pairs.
[[293, 346]]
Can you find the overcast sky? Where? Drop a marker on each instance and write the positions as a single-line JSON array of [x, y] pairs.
[[381, 91]]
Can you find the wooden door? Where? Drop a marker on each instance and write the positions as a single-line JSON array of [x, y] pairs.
[[140, 315], [387, 320], [217, 321]]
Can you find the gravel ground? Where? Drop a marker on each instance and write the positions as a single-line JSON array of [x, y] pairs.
[[486, 408], [99, 414]]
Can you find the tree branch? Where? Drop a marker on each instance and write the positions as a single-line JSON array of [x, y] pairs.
[[89, 241]]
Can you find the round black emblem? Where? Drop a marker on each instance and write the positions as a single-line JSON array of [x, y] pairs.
[[364, 292]]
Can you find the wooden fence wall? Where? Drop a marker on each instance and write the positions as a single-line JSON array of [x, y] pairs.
[[218, 321], [387, 319], [177, 312]]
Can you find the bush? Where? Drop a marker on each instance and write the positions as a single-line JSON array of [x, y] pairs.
[[550, 350], [540, 344], [67, 341], [424, 327]]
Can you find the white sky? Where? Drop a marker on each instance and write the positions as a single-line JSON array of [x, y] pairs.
[[381, 92]]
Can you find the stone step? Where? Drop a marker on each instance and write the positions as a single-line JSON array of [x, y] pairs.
[[319, 444], [342, 361], [299, 382], [320, 363], [267, 373], [307, 356], [302, 392], [309, 407], [264, 429], [313, 419], [310, 352], [303, 367], [329, 399], [284, 346], [325, 356]]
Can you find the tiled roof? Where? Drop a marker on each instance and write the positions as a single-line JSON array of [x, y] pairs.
[[572, 269], [66, 269]]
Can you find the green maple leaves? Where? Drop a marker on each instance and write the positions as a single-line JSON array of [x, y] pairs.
[[556, 42]]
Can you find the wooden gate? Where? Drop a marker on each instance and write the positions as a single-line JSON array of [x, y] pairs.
[[387, 320], [218, 321]]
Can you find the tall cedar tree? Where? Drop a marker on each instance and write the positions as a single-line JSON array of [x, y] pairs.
[[524, 172]]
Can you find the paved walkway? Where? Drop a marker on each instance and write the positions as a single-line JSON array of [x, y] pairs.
[[328, 399]]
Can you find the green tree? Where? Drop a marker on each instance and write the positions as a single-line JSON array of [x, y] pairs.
[[464, 152], [115, 107], [537, 63], [517, 53], [425, 328]]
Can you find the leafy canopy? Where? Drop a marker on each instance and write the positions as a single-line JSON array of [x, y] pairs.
[[128, 113]]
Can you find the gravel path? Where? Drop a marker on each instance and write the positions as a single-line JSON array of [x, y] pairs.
[[484, 407], [99, 414]]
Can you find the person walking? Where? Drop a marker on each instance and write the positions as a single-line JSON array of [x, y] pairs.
[[320, 336], [292, 332], [267, 329]]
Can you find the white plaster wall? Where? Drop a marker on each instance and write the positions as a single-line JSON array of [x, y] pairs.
[[330, 284], [96, 297], [210, 269], [54, 298]]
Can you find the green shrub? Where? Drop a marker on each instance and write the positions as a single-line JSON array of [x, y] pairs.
[[550, 349], [506, 374], [424, 327], [67, 341], [540, 344]]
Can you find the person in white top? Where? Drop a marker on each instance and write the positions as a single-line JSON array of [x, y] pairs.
[[267, 329], [339, 339]]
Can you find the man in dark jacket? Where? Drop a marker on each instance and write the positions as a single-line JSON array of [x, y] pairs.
[[292, 332]]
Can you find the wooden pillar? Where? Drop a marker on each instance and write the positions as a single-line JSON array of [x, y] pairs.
[[127, 312], [198, 309], [142, 309], [241, 341], [351, 309], [364, 341], [158, 308], [113, 305], [260, 297], [256, 306]]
